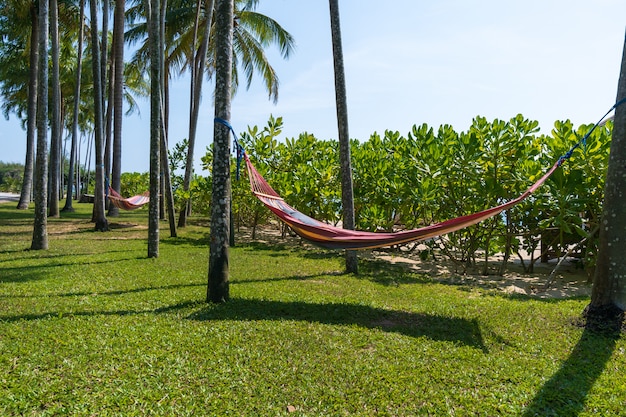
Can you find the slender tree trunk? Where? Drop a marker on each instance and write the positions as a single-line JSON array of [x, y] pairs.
[[40, 225], [107, 95], [104, 51], [108, 133], [608, 296], [168, 195], [55, 131], [31, 123], [99, 216], [218, 285], [197, 73], [118, 96], [347, 195], [186, 210], [156, 52]]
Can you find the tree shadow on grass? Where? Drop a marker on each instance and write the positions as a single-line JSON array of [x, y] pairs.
[[566, 392], [37, 272], [451, 329], [173, 308]]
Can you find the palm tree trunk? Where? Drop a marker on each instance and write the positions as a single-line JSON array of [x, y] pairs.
[[107, 98], [197, 73], [104, 51], [118, 95], [68, 207], [156, 52], [99, 216], [608, 296], [218, 285], [40, 225], [108, 134], [55, 131], [31, 124], [167, 193], [347, 195]]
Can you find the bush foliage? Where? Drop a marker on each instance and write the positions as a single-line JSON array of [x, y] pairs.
[[430, 175]]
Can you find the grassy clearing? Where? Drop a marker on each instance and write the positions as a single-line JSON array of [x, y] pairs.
[[93, 327]]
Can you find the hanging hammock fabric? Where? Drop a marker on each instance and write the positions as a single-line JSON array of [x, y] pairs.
[[130, 203], [332, 237]]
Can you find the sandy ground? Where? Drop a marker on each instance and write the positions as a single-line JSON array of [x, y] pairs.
[[569, 280]]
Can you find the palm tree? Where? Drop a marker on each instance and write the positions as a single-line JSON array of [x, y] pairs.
[[608, 296], [198, 61], [347, 196], [166, 183], [118, 95], [76, 104], [40, 226], [154, 38], [55, 131], [218, 282], [98, 208]]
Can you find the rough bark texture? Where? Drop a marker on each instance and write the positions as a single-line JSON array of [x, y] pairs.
[[608, 297], [347, 194], [73, 150], [99, 216], [155, 125], [31, 123], [76, 106], [218, 285], [197, 74], [40, 224], [118, 94], [166, 183], [55, 130]]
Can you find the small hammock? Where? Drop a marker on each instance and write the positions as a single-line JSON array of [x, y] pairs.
[[131, 203], [332, 237]]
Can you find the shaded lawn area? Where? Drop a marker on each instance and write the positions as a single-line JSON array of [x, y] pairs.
[[93, 327]]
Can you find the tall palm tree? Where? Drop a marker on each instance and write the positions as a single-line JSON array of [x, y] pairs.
[[608, 296], [347, 195], [99, 216], [118, 95], [55, 131], [40, 225], [166, 183], [76, 105], [156, 50], [198, 61], [218, 280]]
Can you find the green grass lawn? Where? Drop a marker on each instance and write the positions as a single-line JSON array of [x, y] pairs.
[[93, 327]]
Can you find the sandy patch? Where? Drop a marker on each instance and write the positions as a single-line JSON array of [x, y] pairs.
[[569, 280]]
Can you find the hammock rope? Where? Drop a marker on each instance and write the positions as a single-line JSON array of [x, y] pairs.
[[331, 237]]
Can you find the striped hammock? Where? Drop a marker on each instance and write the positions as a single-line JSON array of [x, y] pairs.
[[331, 237], [131, 203]]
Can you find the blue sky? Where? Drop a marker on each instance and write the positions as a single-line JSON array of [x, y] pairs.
[[412, 62]]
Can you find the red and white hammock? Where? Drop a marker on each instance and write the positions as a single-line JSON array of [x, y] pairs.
[[131, 203], [331, 237]]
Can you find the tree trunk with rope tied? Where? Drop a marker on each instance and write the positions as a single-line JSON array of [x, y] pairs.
[[608, 296]]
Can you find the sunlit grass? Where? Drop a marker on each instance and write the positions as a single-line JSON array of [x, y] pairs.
[[94, 327]]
